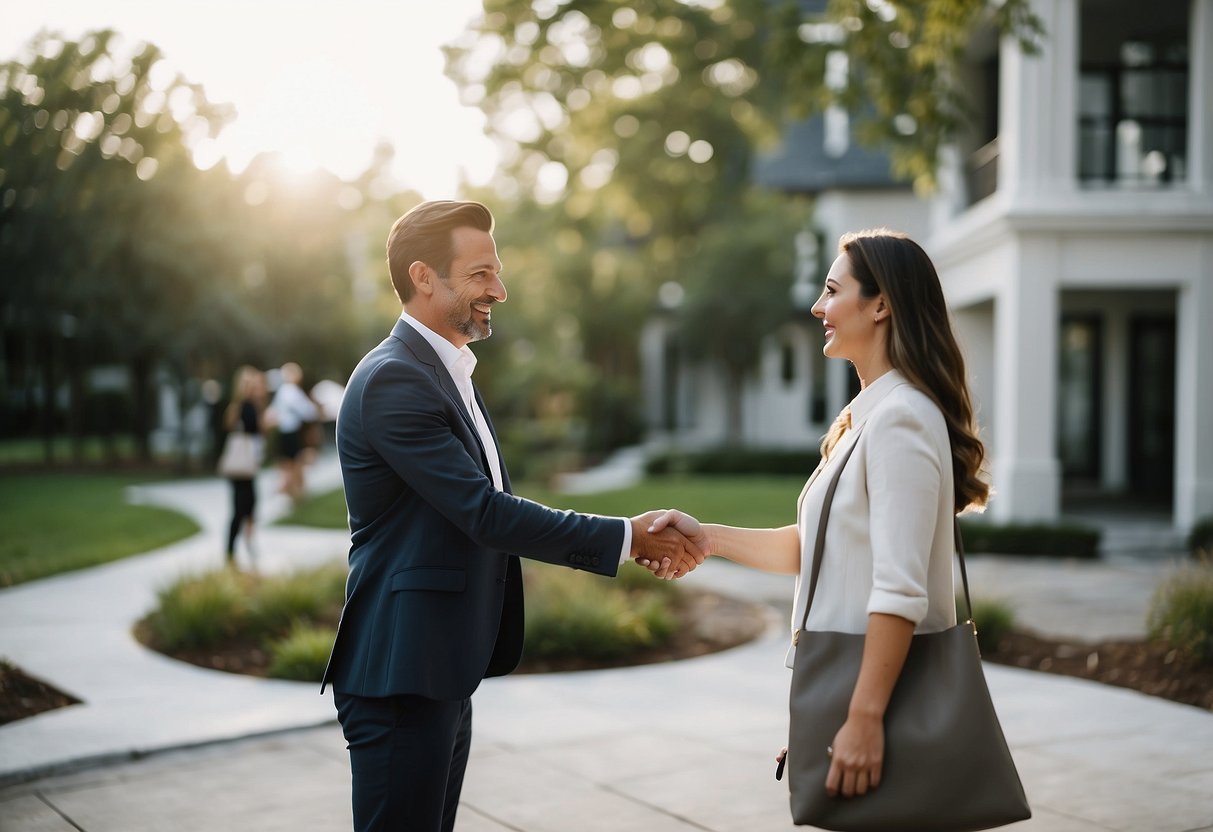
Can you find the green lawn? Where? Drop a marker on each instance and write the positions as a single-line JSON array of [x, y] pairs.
[[95, 450], [56, 522], [759, 502]]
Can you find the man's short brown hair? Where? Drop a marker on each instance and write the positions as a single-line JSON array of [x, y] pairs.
[[424, 233]]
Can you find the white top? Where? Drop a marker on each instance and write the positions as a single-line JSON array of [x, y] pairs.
[[889, 542], [460, 362], [292, 407]]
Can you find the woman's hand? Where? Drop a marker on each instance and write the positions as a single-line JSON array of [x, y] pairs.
[[856, 757], [683, 523]]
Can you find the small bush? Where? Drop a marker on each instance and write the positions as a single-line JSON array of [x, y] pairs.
[[200, 611], [1181, 611], [635, 578], [276, 603], [735, 461], [569, 615], [994, 621], [1057, 540], [302, 654], [206, 610], [1200, 539]]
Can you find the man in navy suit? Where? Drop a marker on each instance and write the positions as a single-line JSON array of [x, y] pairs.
[[434, 595]]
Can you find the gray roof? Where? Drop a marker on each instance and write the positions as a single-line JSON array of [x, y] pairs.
[[800, 164]]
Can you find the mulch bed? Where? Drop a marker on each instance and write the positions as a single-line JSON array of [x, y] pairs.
[[22, 695], [709, 623], [1144, 666]]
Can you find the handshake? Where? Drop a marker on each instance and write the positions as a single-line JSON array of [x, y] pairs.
[[668, 542]]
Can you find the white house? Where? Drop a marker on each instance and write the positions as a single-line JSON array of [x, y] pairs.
[[1073, 232]]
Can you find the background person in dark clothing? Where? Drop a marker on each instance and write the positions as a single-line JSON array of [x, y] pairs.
[[247, 409]]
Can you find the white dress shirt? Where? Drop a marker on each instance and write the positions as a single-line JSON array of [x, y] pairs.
[[889, 542], [460, 362]]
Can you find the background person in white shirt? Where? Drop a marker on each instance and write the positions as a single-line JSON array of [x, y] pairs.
[[887, 564], [291, 410]]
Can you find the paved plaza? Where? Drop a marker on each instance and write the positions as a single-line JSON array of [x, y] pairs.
[[688, 745]]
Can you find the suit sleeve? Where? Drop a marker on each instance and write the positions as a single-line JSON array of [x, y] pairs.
[[406, 421], [904, 480]]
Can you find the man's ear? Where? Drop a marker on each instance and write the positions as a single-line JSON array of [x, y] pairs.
[[422, 277]]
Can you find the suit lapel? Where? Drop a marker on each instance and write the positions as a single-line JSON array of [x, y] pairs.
[[424, 353], [484, 411]]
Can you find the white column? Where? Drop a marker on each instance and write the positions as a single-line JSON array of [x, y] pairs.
[[1194, 396], [652, 368], [1115, 451], [1200, 93], [1038, 109], [1027, 475]]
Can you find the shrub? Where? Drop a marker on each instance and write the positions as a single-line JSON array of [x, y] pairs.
[[635, 578], [735, 461], [276, 603], [1181, 611], [1200, 539], [994, 621], [1056, 540], [200, 611], [570, 615], [302, 654]]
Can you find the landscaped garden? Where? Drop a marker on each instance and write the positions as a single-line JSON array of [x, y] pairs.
[[283, 625]]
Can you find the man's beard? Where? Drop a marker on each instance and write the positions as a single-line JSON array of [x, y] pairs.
[[468, 327]]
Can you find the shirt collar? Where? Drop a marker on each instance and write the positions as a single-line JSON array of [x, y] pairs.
[[459, 361], [870, 396]]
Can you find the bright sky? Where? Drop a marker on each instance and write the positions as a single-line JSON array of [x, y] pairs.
[[320, 81]]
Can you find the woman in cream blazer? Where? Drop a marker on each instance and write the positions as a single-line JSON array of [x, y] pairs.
[[887, 562]]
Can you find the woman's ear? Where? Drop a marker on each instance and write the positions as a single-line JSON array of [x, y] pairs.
[[882, 310]]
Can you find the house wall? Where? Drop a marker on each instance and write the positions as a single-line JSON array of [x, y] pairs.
[[1042, 246]]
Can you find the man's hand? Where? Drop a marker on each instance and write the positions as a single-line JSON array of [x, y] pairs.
[[684, 524], [666, 552]]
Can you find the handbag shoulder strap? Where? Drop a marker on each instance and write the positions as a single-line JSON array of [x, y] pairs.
[[820, 542]]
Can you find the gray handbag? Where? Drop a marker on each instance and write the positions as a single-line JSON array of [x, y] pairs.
[[946, 766]]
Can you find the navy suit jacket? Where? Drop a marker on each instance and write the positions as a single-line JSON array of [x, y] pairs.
[[434, 595]]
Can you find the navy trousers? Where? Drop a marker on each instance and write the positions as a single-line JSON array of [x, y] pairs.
[[408, 755]]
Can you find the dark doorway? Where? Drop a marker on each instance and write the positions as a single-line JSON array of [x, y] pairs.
[[1152, 408], [1079, 398]]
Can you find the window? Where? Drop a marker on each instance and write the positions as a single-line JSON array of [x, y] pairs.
[[1133, 92]]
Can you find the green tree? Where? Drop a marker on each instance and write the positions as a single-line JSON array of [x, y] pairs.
[[85, 131], [635, 125], [738, 291], [618, 94], [117, 249]]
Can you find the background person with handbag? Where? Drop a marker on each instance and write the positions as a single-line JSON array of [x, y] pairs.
[[883, 569], [242, 454]]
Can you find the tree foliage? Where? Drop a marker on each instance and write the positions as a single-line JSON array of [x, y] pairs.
[[636, 123], [617, 93], [117, 250]]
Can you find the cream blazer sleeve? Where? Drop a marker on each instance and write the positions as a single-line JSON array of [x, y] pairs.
[[909, 486], [889, 544]]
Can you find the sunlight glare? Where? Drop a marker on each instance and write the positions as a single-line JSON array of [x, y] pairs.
[[344, 80]]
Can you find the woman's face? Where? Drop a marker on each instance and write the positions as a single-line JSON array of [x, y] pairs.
[[850, 320]]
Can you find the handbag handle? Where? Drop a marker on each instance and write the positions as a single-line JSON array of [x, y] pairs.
[[819, 544]]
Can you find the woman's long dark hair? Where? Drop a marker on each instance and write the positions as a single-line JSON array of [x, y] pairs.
[[922, 346]]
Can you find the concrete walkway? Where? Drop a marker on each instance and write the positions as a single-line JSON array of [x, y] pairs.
[[159, 745]]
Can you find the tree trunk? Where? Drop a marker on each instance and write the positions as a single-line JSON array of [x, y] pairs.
[[76, 404], [734, 387], [141, 419], [49, 380]]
